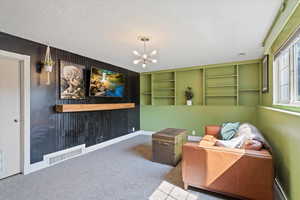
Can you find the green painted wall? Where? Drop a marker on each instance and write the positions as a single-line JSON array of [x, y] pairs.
[[283, 130], [154, 118]]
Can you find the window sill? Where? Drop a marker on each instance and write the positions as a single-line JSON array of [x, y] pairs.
[[297, 106], [295, 113], [288, 107]]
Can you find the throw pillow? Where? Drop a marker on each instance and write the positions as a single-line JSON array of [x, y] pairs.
[[229, 130]]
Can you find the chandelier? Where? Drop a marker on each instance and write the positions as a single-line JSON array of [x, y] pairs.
[[144, 58]]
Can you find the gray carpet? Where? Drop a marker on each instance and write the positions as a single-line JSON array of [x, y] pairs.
[[122, 171]]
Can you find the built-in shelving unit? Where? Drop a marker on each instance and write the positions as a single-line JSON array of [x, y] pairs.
[[221, 76], [228, 84]]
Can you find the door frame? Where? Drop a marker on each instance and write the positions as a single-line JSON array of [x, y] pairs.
[[24, 61]]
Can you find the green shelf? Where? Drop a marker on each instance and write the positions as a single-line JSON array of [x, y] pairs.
[[222, 86], [222, 76], [165, 89], [221, 95], [164, 80], [164, 97], [249, 90]]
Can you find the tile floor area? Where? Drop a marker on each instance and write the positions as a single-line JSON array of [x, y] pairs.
[[168, 191]]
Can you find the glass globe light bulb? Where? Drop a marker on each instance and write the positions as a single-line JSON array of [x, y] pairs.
[[136, 61], [136, 53], [154, 52]]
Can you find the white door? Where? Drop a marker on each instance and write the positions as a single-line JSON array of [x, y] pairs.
[[10, 139]]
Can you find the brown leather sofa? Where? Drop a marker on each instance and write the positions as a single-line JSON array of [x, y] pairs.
[[246, 174]]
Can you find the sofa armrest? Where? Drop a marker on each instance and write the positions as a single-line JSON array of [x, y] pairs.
[[241, 172], [213, 130]]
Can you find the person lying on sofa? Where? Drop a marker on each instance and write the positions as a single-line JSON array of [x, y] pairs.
[[236, 135]]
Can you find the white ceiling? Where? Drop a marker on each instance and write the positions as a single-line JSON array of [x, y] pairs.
[[186, 33]]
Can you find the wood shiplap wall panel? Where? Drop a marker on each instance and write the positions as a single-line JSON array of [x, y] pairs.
[[51, 131]]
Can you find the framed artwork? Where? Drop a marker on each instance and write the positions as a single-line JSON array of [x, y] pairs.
[[106, 83], [71, 81], [265, 74]]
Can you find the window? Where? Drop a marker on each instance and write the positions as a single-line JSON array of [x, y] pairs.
[[287, 74], [297, 70]]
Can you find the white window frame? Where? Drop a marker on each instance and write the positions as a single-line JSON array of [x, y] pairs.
[[293, 77], [295, 99]]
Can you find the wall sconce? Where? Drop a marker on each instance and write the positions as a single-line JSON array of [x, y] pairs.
[[48, 64]]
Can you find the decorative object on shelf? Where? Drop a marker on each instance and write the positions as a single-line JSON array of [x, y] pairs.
[[71, 81], [144, 57], [189, 96], [265, 74], [105, 83], [48, 64]]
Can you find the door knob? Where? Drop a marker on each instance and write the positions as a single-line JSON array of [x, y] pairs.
[[16, 121]]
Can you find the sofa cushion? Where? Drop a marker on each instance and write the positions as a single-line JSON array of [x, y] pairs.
[[229, 130], [213, 130]]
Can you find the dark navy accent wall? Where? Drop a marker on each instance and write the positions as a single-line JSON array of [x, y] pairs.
[[51, 131]]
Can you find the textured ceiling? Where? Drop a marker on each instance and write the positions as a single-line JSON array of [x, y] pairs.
[[185, 33]]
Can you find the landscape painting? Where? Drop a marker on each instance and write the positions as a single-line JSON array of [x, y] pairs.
[[71, 81], [105, 83]]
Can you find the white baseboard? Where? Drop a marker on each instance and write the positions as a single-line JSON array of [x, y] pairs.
[[142, 132], [280, 190], [110, 142], [45, 163], [35, 167]]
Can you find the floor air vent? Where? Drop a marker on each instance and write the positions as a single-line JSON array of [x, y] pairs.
[[58, 157]]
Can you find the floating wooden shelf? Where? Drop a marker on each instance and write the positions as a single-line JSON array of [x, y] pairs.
[[92, 107]]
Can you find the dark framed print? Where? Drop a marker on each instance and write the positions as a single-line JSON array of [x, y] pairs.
[[265, 74], [72, 85]]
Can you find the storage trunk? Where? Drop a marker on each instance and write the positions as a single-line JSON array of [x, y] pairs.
[[167, 145]]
